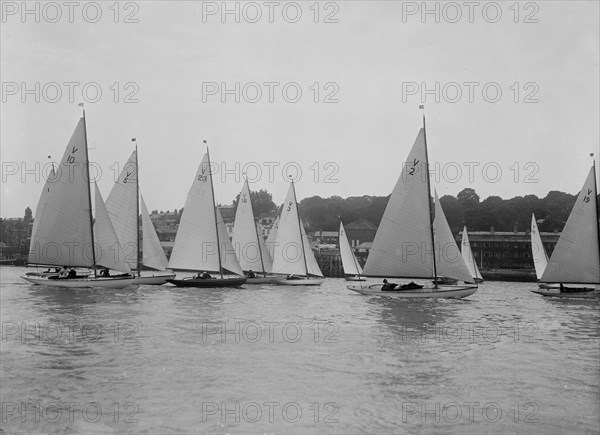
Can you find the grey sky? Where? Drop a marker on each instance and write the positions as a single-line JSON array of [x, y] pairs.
[[371, 61]]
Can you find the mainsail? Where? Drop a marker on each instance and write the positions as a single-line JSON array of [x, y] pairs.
[[292, 253], [63, 228], [245, 238], [349, 262], [122, 208], [467, 255], [449, 260], [576, 257], [403, 245], [196, 246], [540, 258]]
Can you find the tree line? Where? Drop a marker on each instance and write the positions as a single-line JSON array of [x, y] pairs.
[[466, 208]]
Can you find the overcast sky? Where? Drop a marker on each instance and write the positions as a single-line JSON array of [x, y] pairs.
[[517, 90]]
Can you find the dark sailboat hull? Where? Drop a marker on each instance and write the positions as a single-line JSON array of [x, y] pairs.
[[208, 283]]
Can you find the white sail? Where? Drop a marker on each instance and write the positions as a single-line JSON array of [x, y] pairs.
[[448, 258], [266, 255], [467, 255], [153, 254], [108, 249], [576, 257], [349, 262], [540, 258], [292, 253], [229, 260], [40, 210], [122, 208], [271, 240], [195, 247], [245, 237], [311, 261], [196, 244], [63, 228], [403, 245]]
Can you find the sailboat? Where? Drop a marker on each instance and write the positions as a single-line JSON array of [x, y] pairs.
[[538, 253], [574, 267], [404, 243], [352, 269], [469, 259], [123, 204], [202, 242], [249, 245], [292, 255], [65, 234]]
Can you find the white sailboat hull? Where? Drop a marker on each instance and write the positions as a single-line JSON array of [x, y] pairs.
[[297, 282], [153, 280], [99, 282], [355, 278], [263, 280], [444, 291], [581, 291]]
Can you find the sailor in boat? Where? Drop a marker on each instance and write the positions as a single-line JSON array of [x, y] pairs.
[[63, 272], [104, 273], [203, 275], [391, 286], [387, 286], [251, 274], [72, 273], [292, 277]]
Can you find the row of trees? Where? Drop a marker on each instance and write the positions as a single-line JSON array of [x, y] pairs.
[[466, 208], [552, 211]]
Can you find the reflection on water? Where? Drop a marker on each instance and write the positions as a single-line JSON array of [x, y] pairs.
[[295, 360]]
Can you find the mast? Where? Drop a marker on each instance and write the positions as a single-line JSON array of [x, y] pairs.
[[137, 210], [212, 189], [300, 227], [596, 187], [429, 201], [262, 263], [87, 166]]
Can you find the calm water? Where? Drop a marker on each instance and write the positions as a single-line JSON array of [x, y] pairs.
[[295, 360]]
